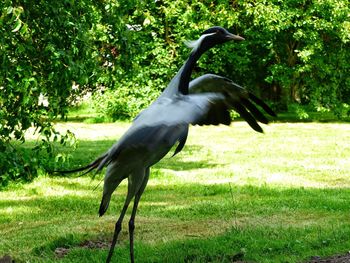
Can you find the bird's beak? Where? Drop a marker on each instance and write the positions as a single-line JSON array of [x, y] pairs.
[[234, 37]]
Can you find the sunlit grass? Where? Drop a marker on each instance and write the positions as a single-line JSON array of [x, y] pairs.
[[282, 196]]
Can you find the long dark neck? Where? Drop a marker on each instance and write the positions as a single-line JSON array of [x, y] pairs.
[[186, 70]]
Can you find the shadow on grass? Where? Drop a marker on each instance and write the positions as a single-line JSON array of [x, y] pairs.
[[190, 201], [277, 222], [91, 186], [39, 206], [322, 117], [86, 152], [181, 161]]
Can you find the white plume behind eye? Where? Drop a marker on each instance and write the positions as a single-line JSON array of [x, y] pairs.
[[196, 43]]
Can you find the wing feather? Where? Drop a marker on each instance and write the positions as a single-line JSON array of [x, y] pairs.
[[235, 98]]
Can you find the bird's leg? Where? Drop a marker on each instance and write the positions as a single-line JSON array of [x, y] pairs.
[[132, 227], [118, 228], [133, 214]]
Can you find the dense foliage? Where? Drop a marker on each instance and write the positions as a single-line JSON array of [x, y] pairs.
[[45, 48], [296, 53]]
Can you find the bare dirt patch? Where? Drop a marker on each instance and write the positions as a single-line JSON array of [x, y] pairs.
[[6, 259], [88, 244], [333, 259]]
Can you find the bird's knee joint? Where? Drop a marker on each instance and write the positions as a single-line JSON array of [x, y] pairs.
[[131, 225], [118, 227]]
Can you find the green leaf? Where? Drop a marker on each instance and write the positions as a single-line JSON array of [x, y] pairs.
[[9, 10], [17, 26]]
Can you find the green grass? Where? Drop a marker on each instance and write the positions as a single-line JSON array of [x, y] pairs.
[[282, 196], [85, 112]]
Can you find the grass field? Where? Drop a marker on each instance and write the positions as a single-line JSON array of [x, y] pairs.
[[282, 196]]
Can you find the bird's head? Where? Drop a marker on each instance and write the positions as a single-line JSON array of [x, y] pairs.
[[211, 37]]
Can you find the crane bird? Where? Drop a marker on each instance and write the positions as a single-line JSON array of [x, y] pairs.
[[207, 100]]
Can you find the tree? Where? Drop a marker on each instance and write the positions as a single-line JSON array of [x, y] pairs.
[[48, 54], [296, 51], [127, 51]]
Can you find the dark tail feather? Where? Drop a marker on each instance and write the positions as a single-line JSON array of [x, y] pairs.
[[262, 105], [88, 168], [104, 204]]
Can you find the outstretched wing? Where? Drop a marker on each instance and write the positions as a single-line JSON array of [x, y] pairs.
[[179, 109], [236, 98]]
